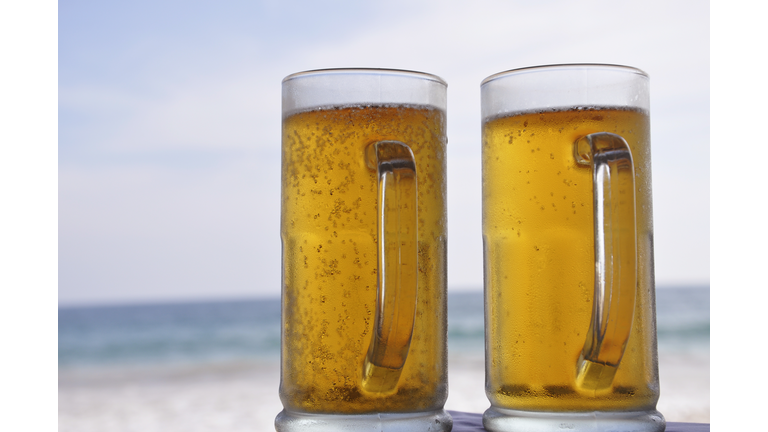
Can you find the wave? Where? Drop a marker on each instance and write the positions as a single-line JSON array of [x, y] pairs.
[[229, 331]]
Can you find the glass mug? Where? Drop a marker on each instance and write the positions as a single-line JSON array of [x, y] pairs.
[[363, 227], [568, 250]]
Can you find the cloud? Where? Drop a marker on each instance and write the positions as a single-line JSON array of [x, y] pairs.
[[169, 130], [155, 233]]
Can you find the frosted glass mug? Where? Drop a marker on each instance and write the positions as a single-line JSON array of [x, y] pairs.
[[363, 226], [568, 250]]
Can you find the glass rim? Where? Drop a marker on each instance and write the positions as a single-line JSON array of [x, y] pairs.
[[366, 71], [564, 66]]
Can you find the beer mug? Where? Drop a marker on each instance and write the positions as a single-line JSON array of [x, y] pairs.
[[363, 228], [568, 250]]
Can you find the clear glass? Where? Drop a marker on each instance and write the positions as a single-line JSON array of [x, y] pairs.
[[363, 226], [568, 250]]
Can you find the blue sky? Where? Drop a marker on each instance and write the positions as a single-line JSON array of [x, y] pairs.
[[169, 125]]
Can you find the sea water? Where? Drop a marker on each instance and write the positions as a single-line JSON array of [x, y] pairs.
[[231, 331], [170, 333]]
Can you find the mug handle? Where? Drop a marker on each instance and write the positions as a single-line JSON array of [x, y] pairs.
[[397, 266], [613, 177]]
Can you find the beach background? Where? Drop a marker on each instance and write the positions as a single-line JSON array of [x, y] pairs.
[[142, 187], [202, 366]]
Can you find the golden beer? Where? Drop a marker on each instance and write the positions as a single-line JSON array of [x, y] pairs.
[[329, 234], [539, 245]]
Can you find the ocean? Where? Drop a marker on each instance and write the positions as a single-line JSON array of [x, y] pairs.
[[232, 331]]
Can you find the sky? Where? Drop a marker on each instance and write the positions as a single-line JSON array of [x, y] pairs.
[[169, 126]]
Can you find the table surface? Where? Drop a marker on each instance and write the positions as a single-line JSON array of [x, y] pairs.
[[471, 422]]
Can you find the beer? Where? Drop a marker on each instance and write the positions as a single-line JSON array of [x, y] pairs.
[[539, 262], [329, 234]]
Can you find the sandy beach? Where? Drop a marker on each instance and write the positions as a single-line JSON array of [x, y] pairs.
[[240, 397]]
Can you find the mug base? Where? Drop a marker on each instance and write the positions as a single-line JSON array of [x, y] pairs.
[[291, 421], [507, 420]]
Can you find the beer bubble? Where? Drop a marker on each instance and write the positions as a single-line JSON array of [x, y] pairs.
[[336, 351]]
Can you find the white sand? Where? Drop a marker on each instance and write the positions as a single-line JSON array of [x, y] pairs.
[[230, 398], [243, 397], [684, 382]]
